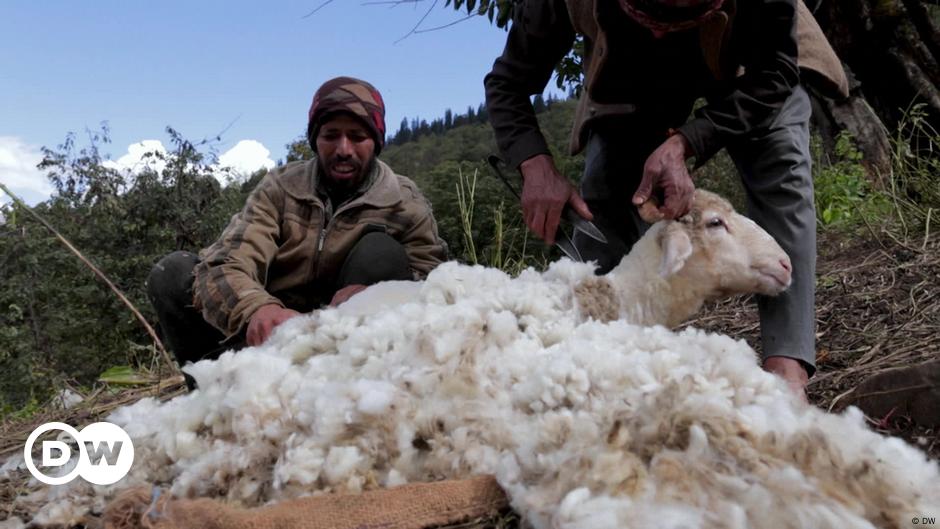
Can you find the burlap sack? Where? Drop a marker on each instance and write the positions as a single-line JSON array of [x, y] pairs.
[[413, 506]]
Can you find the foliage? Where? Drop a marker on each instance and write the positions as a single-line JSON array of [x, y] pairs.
[[416, 128], [465, 196], [912, 184], [437, 162], [908, 197], [124, 376], [58, 322], [508, 249], [843, 194], [721, 176], [497, 11], [568, 74]]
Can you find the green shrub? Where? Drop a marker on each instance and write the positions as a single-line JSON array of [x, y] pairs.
[[844, 196]]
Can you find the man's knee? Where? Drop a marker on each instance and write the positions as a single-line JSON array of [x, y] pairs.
[[170, 281], [376, 257]]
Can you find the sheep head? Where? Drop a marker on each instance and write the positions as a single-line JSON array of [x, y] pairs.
[[722, 251]]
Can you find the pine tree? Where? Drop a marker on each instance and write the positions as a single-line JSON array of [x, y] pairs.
[[404, 133], [448, 119]]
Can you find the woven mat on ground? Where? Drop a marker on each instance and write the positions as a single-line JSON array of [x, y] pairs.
[[413, 506]]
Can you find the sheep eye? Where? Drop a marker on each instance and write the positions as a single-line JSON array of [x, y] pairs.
[[716, 223]]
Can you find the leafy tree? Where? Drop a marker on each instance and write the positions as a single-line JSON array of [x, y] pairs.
[[299, 149], [58, 322]]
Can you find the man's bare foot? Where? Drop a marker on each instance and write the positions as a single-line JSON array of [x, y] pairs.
[[791, 371]]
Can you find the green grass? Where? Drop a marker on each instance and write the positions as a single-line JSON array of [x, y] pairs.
[[26, 411], [509, 248], [912, 185]]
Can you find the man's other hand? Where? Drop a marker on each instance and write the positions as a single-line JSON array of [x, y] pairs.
[[791, 371], [665, 169], [264, 320], [544, 195], [345, 293]]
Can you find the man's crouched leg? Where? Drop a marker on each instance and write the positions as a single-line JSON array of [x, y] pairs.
[[376, 257], [185, 332]]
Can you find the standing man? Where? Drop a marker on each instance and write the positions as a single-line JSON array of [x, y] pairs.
[[312, 233], [645, 63]]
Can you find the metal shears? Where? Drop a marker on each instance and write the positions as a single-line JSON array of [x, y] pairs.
[[562, 240]]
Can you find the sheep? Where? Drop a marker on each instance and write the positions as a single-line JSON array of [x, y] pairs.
[[585, 419], [712, 253]]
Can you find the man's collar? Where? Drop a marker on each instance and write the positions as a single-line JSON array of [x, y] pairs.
[[380, 188]]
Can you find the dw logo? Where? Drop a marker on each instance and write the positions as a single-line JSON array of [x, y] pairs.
[[105, 453]]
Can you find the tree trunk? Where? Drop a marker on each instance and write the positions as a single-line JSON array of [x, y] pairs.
[[857, 117], [891, 48]]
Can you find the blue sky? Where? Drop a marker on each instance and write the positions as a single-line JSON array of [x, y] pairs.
[[201, 67]]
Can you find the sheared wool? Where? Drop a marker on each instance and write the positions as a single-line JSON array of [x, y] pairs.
[[584, 423]]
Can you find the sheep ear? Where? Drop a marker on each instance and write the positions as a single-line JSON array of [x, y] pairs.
[[676, 248]]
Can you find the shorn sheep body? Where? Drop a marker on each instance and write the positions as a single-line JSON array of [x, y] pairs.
[[558, 383]]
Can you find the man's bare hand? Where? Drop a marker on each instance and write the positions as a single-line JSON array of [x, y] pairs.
[[791, 371], [345, 293], [665, 169], [264, 320], [544, 195]]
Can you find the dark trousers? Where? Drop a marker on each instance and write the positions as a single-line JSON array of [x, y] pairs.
[[376, 257], [774, 165]]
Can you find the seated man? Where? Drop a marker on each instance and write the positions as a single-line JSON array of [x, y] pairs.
[[312, 232]]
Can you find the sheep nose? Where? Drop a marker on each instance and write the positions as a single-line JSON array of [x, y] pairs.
[[785, 263]]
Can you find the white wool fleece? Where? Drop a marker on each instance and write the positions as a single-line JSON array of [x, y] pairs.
[[585, 424]]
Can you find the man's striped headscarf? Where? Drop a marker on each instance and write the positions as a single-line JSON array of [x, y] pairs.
[[346, 94], [670, 15]]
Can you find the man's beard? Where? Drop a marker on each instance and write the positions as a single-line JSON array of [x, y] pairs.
[[342, 189]]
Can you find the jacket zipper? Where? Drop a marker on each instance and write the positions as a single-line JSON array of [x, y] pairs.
[[322, 238], [324, 225]]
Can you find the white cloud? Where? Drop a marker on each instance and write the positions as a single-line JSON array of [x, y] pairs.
[[141, 155], [246, 157], [234, 165], [18, 161]]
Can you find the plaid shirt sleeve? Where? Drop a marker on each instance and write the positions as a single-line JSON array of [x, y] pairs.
[[229, 280]]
